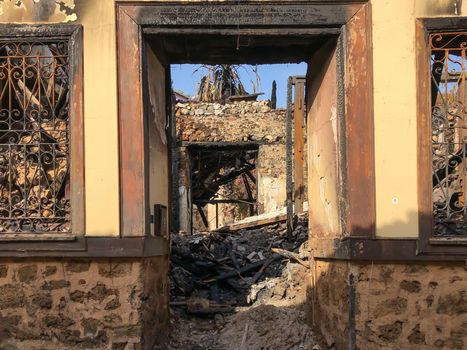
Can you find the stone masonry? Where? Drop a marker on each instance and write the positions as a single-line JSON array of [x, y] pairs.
[[251, 121], [397, 306], [83, 304], [239, 122]]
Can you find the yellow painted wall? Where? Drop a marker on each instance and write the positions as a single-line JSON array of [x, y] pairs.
[[394, 97], [395, 109], [100, 106]]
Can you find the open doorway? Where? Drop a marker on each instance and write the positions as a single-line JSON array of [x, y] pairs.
[[231, 146], [232, 159]]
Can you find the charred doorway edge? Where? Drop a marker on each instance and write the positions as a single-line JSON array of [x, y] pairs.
[[351, 19]]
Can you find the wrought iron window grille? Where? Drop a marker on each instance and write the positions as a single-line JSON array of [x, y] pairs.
[[34, 136], [449, 132]]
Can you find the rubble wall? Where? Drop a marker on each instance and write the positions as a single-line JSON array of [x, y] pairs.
[[239, 122], [397, 306], [83, 304], [251, 121]]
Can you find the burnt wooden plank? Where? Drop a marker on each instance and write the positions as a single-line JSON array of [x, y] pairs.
[[425, 206], [299, 146], [131, 127], [36, 237], [88, 247], [377, 250], [235, 14], [275, 32], [77, 172], [324, 160], [359, 120], [53, 30]]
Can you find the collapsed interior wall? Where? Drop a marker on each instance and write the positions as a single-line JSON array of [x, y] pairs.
[[241, 122], [223, 184]]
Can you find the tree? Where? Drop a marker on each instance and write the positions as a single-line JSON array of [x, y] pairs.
[[220, 82]]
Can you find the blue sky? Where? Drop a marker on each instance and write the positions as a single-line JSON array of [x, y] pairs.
[[184, 80]]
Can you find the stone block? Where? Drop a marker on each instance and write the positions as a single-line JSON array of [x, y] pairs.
[[453, 304], [53, 285], [411, 286], [112, 270], [77, 266], [12, 296], [27, 273]]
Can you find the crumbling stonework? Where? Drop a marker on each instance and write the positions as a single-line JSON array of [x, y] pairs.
[[83, 304], [397, 306], [239, 122], [245, 121]]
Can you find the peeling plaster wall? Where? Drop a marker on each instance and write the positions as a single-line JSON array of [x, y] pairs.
[[272, 194], [37, 11]]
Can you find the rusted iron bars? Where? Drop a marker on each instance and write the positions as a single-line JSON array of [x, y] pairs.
[[448, 134]]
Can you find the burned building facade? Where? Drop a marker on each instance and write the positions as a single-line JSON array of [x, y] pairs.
[[85, 163]]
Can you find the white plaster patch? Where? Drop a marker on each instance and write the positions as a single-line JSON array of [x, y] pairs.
[[327, 205], [334, 123], [20, 11]]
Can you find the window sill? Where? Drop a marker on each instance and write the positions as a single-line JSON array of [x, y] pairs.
[[448, 241], [87, 247], [394, 249], [37, 237]]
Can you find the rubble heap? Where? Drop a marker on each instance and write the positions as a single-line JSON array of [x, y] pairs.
[[233, 290]]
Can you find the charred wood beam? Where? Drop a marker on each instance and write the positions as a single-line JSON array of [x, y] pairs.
[[250, 194], [245, 269], [222, 201], [203, 216], [222, 145], [251, 176]]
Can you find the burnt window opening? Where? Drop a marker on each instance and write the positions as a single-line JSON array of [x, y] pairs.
[[449, 132], [225, 179], [34, 135]]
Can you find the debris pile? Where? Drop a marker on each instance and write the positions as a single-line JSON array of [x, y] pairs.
[[223, 267], [244, 289]]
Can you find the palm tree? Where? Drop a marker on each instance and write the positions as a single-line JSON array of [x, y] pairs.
[[220, 82]]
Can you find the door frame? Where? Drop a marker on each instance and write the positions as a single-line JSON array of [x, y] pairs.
[[351, 19]]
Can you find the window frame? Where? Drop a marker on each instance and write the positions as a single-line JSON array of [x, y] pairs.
[[74, 34], [428, 243]]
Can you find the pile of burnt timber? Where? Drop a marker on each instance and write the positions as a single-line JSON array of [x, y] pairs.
[[214, 273]]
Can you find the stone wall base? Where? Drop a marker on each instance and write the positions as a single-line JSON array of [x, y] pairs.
[[396, 306], [83, 304]]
